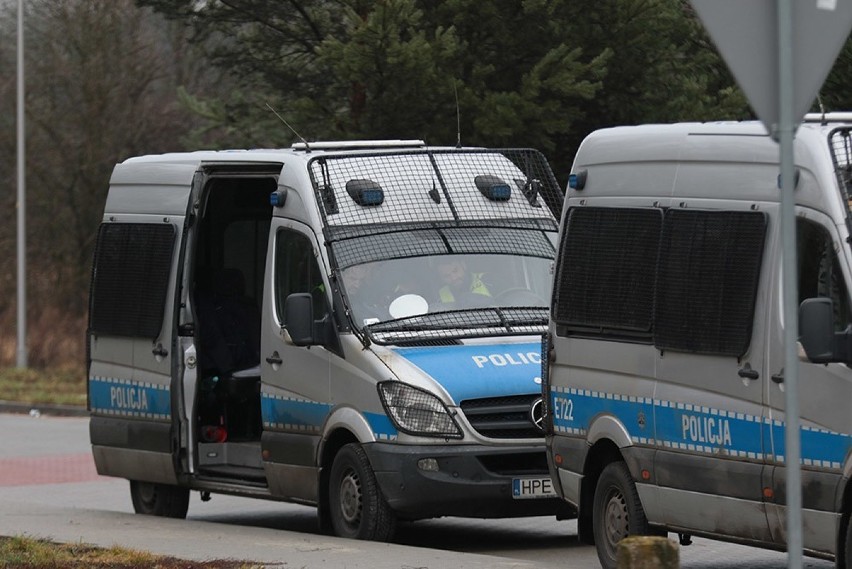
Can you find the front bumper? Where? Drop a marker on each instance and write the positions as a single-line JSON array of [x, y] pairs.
[[471, 481]]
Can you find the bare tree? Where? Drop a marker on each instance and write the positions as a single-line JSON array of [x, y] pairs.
[[103, 82], [8, 186]]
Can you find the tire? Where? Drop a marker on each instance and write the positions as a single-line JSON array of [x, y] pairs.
[[847, 547], [356, 506], [162, 500], [616, 513]]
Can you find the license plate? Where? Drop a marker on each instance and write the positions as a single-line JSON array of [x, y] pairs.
[[525, 488]]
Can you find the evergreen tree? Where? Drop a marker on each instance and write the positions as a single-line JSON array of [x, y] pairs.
[[395, 68], [540, 73]]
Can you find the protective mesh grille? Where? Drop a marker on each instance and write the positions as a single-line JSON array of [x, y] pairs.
[[840, 141], [401, 244], [458, 324], [707, 280], [449, 185], [416, 411], [130, 279], [606, 269]]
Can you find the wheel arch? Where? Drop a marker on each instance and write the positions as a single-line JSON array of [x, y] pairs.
[[601, 453], [846, 516], [332, 444]]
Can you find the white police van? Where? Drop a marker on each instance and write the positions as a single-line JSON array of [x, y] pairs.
[[354, 325], [666, 383]]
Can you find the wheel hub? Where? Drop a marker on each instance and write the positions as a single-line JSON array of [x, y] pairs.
[[147, 492], [350, 497], [615, 518]]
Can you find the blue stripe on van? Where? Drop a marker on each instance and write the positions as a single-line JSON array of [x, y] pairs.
[[819, 447], [382, 426], [301, 415], [692, 428], [293, 414], [481, 370], [129, 398], [701, 429]]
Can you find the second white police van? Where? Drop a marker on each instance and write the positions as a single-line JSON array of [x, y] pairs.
[[355, 326], [666, 382]]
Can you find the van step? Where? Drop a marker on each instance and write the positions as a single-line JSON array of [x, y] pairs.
[[246, 475]]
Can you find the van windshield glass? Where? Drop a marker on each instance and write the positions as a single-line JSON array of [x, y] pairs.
[[378, 291]]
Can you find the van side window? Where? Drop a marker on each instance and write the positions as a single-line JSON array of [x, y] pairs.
[[297, 270], [707, 280], [130, 279], [685, 280], [605, 276], [819, 270]]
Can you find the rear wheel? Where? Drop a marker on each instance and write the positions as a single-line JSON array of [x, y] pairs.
[[159, 499], [356, 506], [617, 512]]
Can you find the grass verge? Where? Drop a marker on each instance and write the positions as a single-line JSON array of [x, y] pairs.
[[67, 386], [28, 553], [64, 386]]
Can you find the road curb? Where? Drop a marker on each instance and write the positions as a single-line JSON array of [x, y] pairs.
[[43, 409]]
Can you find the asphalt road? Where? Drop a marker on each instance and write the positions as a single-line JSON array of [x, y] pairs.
[[49, 488]]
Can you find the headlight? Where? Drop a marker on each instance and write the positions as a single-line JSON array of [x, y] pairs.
[[417, 412]]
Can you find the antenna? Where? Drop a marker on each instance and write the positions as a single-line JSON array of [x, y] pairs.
[[458, 116], [299, 136], [821, 108]]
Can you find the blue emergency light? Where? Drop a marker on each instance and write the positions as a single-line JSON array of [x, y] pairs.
[[365, 192], [493, 187], [577, 180], [278, 197]]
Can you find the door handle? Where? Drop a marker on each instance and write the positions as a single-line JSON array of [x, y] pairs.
[[159, 350], [274, 359], [746, 372], [778, 377]]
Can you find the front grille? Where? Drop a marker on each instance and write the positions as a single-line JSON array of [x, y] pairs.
[[515, 464], [503, 417]]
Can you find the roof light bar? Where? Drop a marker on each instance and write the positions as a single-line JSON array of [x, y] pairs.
[[358, 144]]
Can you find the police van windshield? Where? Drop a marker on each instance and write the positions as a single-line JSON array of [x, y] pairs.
[[383, 290]]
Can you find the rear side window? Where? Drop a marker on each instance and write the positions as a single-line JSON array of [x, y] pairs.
[[130, 279], [605, 278], [685, 280], [707, 280]]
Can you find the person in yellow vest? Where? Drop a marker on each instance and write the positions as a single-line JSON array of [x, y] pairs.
[[459, 284]]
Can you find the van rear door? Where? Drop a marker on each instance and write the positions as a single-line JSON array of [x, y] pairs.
[[132, 350]]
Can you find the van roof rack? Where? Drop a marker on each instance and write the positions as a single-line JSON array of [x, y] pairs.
[[357, 144], [828, 117]]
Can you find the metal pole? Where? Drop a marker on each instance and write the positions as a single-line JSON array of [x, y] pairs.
[[22, 202], [792, 439]]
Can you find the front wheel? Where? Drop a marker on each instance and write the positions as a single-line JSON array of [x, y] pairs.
[[356, 505], [159, 499], [617, 512]]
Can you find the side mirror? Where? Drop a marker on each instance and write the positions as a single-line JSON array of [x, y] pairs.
[[299, 318], [816, 330]]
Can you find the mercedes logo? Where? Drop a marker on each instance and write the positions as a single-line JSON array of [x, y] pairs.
[[537, 414]]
